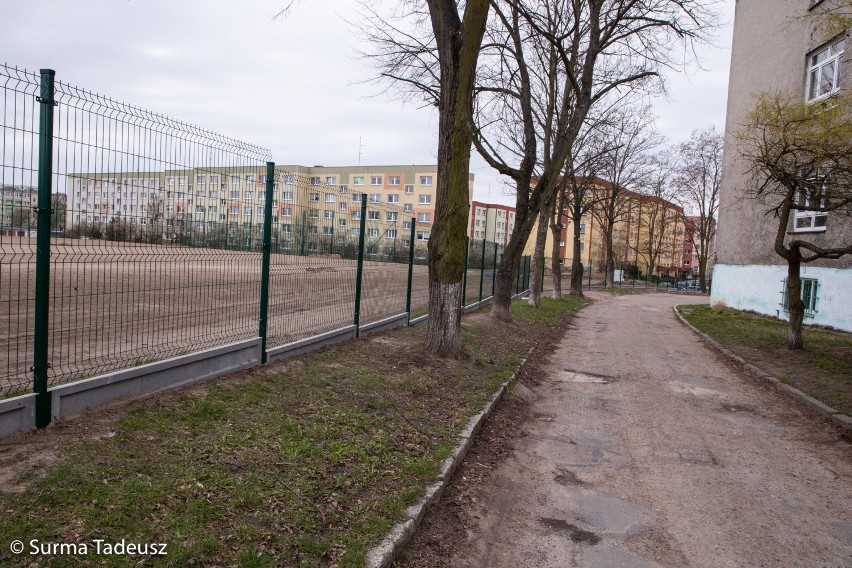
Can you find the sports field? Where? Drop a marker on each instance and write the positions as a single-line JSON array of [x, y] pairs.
[[117, 305]]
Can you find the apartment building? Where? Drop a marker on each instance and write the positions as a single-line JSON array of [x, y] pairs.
[[491, 222], [321, 200], [18, 202], [781, 46], [17, 216], [647, 236]]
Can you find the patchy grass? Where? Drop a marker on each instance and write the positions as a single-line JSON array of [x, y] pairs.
[[307, 462], [822, 370]]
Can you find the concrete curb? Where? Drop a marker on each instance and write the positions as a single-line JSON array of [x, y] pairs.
[[383, 554], [841, 420]]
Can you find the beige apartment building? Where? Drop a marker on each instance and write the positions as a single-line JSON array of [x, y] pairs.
[[647, 237], [781, 46], [325, 199]]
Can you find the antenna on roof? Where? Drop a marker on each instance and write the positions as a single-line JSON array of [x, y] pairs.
[[360, 152]]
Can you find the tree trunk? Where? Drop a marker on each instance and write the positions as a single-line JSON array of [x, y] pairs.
[[458, 50], [556, 267], [795, 305], [504, 282], [577, 261], [537, 261], [702, 274], [610, 259]]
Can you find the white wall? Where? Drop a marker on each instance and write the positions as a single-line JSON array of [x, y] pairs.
[[758, 288]]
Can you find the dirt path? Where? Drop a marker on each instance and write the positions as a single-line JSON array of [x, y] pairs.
[[643, 448]]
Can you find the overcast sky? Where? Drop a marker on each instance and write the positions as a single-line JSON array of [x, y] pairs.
[[295, 85]]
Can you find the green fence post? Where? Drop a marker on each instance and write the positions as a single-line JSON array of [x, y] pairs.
[[267, 250], [360, 273], [304, 223], [482, 271], [331, 243], [464, 278], [494, 271], [43, 212], [410, 270]]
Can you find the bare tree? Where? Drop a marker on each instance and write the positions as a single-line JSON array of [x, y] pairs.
[[799, 159], [699, 179], [628, 139], [659, 239], [550, 64], [435, 57]]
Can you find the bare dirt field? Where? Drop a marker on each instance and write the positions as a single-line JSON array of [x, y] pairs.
[[116, 305]]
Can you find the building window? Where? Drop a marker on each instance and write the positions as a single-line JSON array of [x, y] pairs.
[[423, 217], [329, 198], [372, 232], [392, 216], [373, 215], [286, 212], [809, 295], [313, 197], [406, 224], [408, 208], [809, 220], [425, 199], [409, 189], [422, 235], [328, 214], [425, 180], [314, 181], [375, 180], [343, 206], [390, 234], [287, 196], [393, 198], [330, 180], [393, 180], [582, 228], [358, 180], [375, 198], [824, 71]]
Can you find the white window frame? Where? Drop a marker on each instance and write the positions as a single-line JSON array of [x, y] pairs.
[[817, 69], [425, 199], [375, 180], [425, 180]]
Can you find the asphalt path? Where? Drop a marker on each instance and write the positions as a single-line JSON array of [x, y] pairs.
[[646, 448]]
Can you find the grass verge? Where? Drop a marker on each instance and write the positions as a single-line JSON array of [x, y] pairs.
[[307, 462], [822, 370]]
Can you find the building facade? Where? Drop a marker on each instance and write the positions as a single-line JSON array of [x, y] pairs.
[[647, 237], [491, 222], [320, 200], [780, 46]]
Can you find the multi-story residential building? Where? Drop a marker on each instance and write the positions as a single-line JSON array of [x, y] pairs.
[[18, 202], [317, 198], [17, 215], [781, 46], [647, 236], [491, 222]]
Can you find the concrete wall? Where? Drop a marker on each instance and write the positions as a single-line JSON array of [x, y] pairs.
[[772, 39], [758, 288]]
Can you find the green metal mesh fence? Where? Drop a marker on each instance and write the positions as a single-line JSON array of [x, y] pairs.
[[156, 245]]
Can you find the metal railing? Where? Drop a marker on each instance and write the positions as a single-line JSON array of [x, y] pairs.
[[130, 238]]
